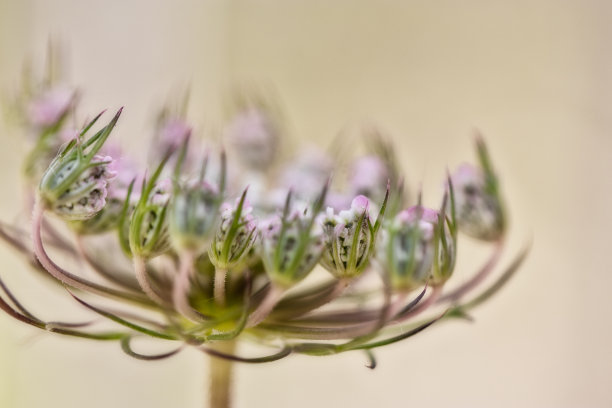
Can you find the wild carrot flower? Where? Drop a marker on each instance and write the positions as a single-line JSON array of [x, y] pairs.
[[210, 271]]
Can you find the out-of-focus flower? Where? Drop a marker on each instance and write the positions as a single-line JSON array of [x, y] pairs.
[[479, 211], [417, 248], [307, 173], [193, 214], [254, 138], [50, 107], [172, 134], [368, 177]]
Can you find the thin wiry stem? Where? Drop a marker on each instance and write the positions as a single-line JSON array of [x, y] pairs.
[[478, 278], [500, 282], [421, 307], [265, 307], [282, 353], [64, 276], [15, 301], [127, 349], [140, 268], [314, 302], [180, 290], [123, 280]]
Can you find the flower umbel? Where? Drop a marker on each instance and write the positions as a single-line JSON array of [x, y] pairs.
[[209, 271]]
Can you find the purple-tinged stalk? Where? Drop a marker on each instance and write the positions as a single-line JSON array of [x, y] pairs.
[[148, 234], [193, 217]]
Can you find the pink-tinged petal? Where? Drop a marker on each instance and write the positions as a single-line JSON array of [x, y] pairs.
[[360, 204]]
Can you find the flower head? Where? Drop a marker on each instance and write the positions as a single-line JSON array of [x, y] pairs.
[[75, 183], [254, 138], [292, 243], [123, 189], [349, 238], [412, 250], [235, 236], [477, 201]]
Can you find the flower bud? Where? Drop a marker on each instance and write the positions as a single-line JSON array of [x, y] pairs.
[[148, 229], [478, 209], [74, 186], [108, 218], [349, 239], [407, 250], [105, 220], [291, 246], [235, 235], [193, 214], [417, 247]]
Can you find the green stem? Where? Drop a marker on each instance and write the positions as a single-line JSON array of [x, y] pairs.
[[219, 286], [220, 376]]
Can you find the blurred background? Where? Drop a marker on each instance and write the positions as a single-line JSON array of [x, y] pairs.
[[534, 76]]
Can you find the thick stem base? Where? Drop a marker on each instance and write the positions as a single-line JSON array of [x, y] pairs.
[[220, 377]]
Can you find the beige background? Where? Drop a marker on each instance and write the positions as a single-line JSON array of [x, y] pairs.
[[534, 76]]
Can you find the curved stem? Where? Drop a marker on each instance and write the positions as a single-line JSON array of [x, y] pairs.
[[143, 280], [266, 306], [219, 286], [180, 291], [480, 276], [315, 302], [421, 307], [64, 276], [220, 376], [124, 281]]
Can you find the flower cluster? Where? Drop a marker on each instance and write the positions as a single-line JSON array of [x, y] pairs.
[[210, 260]]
